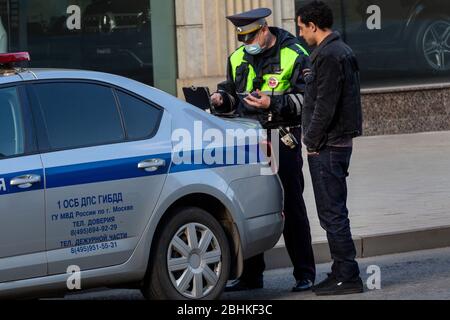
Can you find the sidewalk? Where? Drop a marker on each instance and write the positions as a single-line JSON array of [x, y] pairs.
[[399, 197]]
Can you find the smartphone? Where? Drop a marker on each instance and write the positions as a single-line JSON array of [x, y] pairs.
[[256, 95]]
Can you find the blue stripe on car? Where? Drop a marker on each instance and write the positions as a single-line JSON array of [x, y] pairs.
[[12, 190], [219, 154], [108, 170], [120, 169]]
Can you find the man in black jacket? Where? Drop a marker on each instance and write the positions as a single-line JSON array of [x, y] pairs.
[[331, 118]]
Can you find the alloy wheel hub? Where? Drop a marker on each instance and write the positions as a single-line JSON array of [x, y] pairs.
[[194, 261]]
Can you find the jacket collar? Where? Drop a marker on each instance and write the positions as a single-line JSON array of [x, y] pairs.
[[332, 37]]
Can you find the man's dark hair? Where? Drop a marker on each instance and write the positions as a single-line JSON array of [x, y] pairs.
[[318, 13]]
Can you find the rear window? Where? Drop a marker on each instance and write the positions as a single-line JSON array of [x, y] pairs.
[[141, 119]]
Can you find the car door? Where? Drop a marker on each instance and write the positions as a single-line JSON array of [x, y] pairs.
[[22, 208], [102, 182]]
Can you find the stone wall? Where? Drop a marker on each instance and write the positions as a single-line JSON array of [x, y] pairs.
[[406, 109], [205, 38]]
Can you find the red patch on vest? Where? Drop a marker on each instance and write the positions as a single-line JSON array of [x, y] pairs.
[[273, 82]]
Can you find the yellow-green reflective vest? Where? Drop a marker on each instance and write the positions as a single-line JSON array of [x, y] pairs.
[[272, 83]]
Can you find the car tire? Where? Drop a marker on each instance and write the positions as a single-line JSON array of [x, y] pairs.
[[430, 46], [193, 243]]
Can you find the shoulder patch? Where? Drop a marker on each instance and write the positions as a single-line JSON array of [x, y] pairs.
[[299, 49]]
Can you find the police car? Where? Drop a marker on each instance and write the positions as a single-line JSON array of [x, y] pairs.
[[104, 182]]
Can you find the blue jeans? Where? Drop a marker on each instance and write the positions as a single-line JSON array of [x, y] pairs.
[[329, 171]]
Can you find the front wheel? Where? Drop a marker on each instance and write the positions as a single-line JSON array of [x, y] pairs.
[[191, 259]]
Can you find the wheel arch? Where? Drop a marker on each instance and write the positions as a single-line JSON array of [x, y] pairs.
[[423, 12], [421, 9]]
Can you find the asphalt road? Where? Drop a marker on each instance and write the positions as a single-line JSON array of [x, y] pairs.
[[423, 275]]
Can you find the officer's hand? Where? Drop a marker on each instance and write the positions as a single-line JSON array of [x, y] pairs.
[[217, 99], [263, 102]]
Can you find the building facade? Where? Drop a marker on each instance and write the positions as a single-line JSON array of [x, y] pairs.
[[403, 46]]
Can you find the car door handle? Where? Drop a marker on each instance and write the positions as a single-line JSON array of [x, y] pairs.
[[151, 165], [26, 181]]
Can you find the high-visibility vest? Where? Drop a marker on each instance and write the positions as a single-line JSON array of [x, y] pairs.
[[276, 84]]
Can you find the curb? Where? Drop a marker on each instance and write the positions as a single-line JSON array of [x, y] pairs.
[[371, 246]]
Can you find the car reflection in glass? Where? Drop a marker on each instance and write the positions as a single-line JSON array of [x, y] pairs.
[[116, 38], [412, 43]]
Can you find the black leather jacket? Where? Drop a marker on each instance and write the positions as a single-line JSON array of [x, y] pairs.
[[332, 110]]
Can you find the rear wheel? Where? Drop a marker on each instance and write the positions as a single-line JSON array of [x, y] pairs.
[[433, 44], [191, 258]]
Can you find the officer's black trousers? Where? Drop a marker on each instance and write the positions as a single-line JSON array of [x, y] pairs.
[[297, 233]]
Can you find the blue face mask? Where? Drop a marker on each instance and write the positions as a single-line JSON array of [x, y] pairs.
[[253, 49]]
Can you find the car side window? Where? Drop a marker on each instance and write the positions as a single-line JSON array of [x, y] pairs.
[[141, 119], [78, 114], [12, 142]]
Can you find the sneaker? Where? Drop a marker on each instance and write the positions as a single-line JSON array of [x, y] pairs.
[[336, 287], [325, 283], [303, 285]]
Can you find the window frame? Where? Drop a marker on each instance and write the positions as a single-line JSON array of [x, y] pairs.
[[43, 144], [29, 136]]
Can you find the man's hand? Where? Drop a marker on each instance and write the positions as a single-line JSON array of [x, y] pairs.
[[263, 102], [313, 154], [217, 99]]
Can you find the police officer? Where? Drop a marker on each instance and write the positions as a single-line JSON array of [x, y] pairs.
[[265, 81]]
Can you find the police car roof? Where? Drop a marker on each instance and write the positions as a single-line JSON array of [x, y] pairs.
[[28, 75], [186, 112], [53, 74], [157, 96]]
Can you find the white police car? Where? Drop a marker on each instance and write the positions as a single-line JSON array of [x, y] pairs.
[[99, 174]]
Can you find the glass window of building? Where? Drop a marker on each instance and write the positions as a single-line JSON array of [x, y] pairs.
[[397, 42], [113, 36]]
